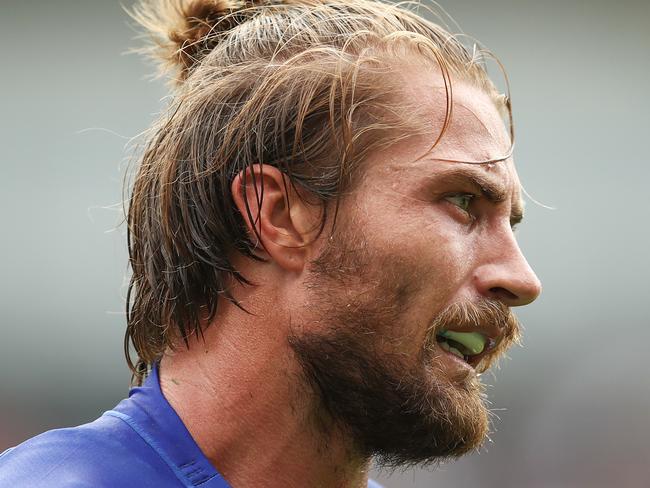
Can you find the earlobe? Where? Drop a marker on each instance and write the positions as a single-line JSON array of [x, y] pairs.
[[278, 221]]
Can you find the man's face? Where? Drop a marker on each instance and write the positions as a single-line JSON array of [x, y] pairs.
[[422, 246]]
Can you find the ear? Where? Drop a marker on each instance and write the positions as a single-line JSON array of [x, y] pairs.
[[278, 220]]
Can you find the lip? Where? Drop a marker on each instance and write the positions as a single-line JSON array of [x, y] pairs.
[[473, 362], [454, 358]]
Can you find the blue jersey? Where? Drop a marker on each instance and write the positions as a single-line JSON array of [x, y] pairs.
[[140, 443]]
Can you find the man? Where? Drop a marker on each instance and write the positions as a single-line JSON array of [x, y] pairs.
[[321, 237]]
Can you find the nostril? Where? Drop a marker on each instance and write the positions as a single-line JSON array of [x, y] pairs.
[[503, 294]]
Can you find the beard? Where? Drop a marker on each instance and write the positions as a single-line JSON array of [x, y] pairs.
[[403, 411]]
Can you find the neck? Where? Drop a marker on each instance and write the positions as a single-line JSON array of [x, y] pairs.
[[241, 396]]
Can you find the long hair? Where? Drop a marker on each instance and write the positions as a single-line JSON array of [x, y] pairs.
[[311, 87]]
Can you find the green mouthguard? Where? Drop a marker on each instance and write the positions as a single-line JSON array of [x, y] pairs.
[[473, 341]]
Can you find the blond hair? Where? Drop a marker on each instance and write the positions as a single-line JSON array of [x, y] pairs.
[[308, 86]]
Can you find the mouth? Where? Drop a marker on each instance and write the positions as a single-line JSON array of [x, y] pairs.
[[470, 347]]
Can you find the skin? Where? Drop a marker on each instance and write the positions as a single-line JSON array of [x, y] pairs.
[[240, 392]]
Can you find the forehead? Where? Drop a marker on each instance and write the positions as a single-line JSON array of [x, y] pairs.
[[475, 132]]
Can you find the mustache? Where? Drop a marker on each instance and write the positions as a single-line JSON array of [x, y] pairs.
[[487, 314]]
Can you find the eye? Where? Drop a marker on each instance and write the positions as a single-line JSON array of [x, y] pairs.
[[461, 200]]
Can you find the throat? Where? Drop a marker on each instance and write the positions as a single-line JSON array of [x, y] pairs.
[[263, 436]]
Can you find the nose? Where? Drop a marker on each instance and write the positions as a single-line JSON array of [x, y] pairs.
[[507, 276]]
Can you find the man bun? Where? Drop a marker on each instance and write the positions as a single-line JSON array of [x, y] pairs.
[[182, 32]]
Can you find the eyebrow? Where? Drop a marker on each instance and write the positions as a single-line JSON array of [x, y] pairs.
[[488, 187]]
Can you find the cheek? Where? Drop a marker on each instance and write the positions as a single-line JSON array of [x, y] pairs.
[[442, 251], [422, 244], [422, 271], [452, 256], [441, 258]]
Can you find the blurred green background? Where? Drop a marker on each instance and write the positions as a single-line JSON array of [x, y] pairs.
[[573, 403]]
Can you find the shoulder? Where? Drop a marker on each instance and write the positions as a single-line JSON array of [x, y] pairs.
[[103, 453]]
